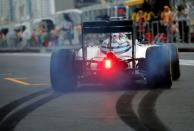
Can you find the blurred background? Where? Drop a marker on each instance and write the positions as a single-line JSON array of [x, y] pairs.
[[50, 23]]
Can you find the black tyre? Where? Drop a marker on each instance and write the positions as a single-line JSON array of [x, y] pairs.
[[174, 62], [158, 67], [62, 70]]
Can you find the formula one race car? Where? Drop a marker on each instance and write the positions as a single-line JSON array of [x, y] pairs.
[[116, 59]]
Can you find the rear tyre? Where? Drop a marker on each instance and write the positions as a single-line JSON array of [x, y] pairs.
[[62, 70], [174, 62], [158, 67]]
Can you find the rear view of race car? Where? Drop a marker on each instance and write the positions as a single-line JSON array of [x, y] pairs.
[[113, 62]]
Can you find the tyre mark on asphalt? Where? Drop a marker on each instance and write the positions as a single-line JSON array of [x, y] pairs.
[[5, 110], [127, 114], [148, 114], [11, 122]]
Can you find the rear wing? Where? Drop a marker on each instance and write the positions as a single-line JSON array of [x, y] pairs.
[[107, 26]]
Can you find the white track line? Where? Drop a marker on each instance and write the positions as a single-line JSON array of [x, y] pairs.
[[186, 62]]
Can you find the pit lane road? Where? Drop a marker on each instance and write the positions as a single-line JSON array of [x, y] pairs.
[[27, 102]]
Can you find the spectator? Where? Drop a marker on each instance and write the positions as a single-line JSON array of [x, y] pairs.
[[149, 15], [18, 37], [43, 35], [140, 20], [148, 38], [54, 37], [3, 37], [25, 36], [34, 38], [78, 30], [134, 15], [11, 38], [182, 23], [166, 19], [67, 27], [174, 30]]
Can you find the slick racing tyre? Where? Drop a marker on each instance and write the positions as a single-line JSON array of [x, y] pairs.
[[62, 70], [174, 62], [158, 67]]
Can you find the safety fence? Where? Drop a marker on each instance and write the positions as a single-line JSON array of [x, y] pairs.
[[146, 32]]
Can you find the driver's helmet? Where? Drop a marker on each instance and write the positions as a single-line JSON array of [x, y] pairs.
[[115, 37], [119, 43]]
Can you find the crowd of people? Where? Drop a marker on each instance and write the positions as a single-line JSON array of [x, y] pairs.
[[172, 25], [44, 33], [142, 18]]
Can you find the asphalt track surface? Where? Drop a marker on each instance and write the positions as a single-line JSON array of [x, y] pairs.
[[27, 102]]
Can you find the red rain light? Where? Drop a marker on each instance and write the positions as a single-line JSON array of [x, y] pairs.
[[108, 64]]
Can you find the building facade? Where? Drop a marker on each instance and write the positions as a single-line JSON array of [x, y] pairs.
[[18, 10], [26, 9], [63, 4], [4, 11], [42, 8]]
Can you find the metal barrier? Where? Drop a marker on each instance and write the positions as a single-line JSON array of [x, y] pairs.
[[147, 31], [182, 31]]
